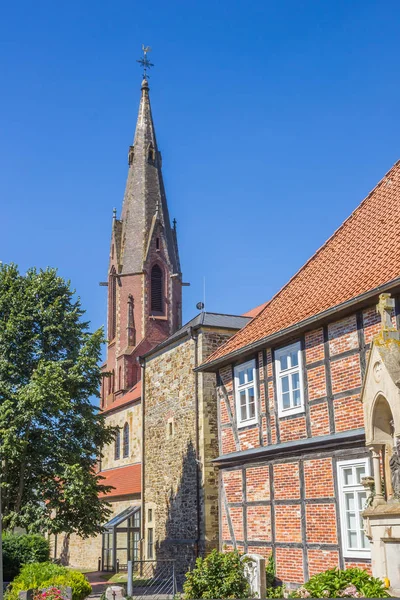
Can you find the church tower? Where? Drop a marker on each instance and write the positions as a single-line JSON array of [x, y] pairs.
[[144, 276]]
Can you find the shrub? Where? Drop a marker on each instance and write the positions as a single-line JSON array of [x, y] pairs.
[[45, 575], [21, 549], [350, 583], [270, 572], [219, 575]]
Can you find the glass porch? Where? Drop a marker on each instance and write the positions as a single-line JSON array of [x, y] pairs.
[[121, 540]]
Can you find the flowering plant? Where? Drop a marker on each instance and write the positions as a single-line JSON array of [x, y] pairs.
[[51, 593]]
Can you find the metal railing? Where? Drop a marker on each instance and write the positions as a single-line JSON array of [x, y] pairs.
[[155, 578]]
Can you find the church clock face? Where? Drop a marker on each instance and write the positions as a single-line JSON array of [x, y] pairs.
[[377, 370]]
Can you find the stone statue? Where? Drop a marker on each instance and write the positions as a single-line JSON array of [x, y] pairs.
[[394, 465]]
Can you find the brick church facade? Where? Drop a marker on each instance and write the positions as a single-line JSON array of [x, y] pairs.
[[154, 405], [144, 308], [292, 452]]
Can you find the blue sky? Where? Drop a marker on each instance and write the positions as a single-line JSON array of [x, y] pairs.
[[274, 118]]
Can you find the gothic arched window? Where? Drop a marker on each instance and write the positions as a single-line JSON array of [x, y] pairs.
[[117, 445], [125, 443], [156, 289], [112, 305]]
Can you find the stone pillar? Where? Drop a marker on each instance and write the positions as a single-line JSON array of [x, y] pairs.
[[254, 570], [376, 453]]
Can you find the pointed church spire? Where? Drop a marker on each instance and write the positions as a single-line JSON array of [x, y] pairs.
[[145, 200]]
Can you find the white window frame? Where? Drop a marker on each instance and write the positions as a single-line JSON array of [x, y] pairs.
[[283, 412], [238, 388], [341, 465]]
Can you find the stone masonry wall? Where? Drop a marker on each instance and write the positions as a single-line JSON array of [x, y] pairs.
[[133, 416], [170, 463], [170, 466]]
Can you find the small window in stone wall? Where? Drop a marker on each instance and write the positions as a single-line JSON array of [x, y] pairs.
[[150, 515], [170, 429]]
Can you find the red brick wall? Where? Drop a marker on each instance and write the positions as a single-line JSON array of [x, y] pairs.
[[321, 560], [321, 523], [318, 478], [286, 481], [287, 523], [257, 483], [289, 564]]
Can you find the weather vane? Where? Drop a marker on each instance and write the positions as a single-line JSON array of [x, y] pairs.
[[144, 62]]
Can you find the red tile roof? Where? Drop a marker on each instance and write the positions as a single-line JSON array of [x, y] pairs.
[[361, 255], [125, 480], [133, 394], [255, 311]]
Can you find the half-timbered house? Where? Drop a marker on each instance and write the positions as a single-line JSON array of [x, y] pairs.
[[292, 452]]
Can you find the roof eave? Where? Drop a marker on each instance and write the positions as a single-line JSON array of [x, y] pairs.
[[280, 335], [346, 439]]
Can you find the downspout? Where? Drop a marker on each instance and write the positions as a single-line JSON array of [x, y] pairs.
[[142, 362], [194, 336]]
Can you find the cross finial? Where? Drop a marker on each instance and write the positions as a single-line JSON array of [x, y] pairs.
[[174, 223], [384, 308], [144, 62], [114, 213]]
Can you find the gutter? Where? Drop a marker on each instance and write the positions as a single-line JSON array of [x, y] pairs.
[[195, 338], [186, 332], [296, 327]]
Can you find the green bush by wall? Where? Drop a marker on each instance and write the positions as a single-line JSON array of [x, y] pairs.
[[219, 575], [21, 549]]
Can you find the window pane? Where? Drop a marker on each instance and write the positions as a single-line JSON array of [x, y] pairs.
[[360, 473], [296, 381], [252, 410], [294, 358], [350, 505], [348, 476], [364, 540], [250, 374], [243, 413], [241, 377], [252, 403], [352, 539], [286, 400], [284, 362], [243, 398], [362, 497], [285, 384], [296, 398], [351, 521]]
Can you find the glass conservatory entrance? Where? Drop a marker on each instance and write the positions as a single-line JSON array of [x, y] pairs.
[[121, 540]]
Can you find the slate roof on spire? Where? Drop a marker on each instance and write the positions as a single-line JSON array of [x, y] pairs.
[[363, 254], [144, 194]]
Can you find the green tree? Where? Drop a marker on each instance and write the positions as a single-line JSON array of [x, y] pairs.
[[50, 433]]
